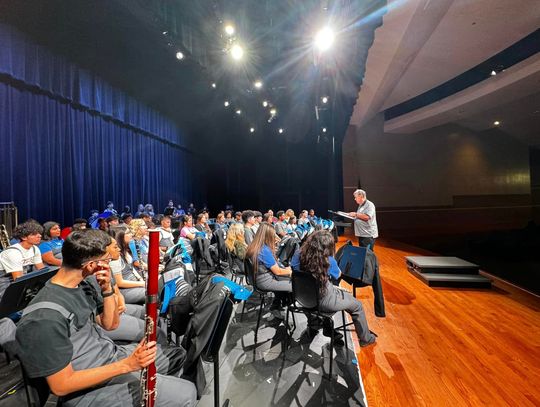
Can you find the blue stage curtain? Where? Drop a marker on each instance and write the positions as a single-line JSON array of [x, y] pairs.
[[61, 155]]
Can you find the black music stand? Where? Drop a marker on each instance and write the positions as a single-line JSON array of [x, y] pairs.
[[19, 293]]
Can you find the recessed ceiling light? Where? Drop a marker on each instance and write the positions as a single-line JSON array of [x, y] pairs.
[[273, 111], [325, 99], [179, 55], [237, 52], [265, 103], [229, 29], [251, 129], [324, 39], [258, 84], [324, 129], [280, 130], [493, 73], [496, 123], [238, 112], [214, 85], [226, 103]]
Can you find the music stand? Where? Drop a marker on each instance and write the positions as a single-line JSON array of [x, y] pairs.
[[19, 293]]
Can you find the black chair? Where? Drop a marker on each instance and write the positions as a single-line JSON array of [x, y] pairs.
[[237, 268], [306, 301], [250, 277], [211, 350]]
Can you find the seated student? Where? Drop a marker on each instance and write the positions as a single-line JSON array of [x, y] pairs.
[[238, 217], [140, 240], [126, 218], [113, 220], [169, 209], [78, 224], [248, 217], [129, 280], [269, 275], [281, 224], [228, 217], [220, 222], [303, 217], [315, 255], [235, 241], [202, 224], [140, 211], [23, 257], [179, 211], [75, 357], [110, 208], [166, 238], [186, 227], [51, 244], [258, 218]]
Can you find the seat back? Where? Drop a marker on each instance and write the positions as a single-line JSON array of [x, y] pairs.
[[305, 289], [250, 271]]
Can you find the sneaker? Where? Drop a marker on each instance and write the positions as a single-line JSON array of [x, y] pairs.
[[371, 341]]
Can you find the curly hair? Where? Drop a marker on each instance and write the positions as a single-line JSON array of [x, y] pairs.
[[314, 257], [30, 227], [235, 232]]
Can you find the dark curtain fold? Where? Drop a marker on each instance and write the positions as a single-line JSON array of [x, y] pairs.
[[69, 142], [58, 162]]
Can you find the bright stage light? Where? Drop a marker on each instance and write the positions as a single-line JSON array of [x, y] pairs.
[[493, 73], [226, 103], [237, 52], [280, 130], [238, 112], [496, 123], [229, 29], [273, 111], [324, 129], [324, 39], [179, 55], [252, 130], [265, 103], [258, 84], [325, 99], [214, 85]]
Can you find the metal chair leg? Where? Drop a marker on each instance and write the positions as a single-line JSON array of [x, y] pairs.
[[345, 330], [331, 349], [259, 318]]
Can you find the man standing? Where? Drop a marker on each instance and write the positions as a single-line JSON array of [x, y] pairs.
[[365, 224]]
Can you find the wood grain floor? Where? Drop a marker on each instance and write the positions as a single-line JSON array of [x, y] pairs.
[[449, 347]]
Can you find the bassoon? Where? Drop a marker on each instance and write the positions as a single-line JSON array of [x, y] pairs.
[[148, 375]]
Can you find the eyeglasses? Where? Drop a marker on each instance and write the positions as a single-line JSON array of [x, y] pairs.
[[105, 260]]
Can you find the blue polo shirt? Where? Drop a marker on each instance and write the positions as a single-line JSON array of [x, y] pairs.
[[48, 245], [333, 271], [266, 257]]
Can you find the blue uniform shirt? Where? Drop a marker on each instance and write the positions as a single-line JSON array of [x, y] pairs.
[[266, 257], [333, 271]]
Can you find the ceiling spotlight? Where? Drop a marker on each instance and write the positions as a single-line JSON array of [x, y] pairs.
[[237, 52], [265, 103], [258, 84], [229, 29], [496, 123], [325, 99], [273, 111], [179, 55], [280, 130], [164, 32], [226, 103], [239, 112], [252, 130], [324, 129], [493, 73], [324, 39], [214, 85]]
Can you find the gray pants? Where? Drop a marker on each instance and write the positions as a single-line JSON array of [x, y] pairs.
[[338, 300], [270, 282], [133, 295], [124, 390]]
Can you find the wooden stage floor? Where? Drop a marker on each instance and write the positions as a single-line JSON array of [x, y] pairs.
[[449, 347]]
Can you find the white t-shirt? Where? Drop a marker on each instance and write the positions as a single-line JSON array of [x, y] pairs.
[[17, 258], [366, 228]]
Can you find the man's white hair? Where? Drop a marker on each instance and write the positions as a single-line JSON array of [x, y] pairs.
[[360, 192]]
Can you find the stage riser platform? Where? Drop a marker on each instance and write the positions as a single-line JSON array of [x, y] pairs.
[[437, 271]]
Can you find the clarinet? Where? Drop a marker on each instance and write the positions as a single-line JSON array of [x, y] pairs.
[[148, 375]]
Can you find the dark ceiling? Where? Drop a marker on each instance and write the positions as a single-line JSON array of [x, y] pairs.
[[133, 43]]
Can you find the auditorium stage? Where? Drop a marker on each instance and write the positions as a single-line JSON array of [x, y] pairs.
[[436, 347]]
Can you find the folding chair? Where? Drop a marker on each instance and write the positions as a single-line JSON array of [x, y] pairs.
[[306, 300], [250, 277]]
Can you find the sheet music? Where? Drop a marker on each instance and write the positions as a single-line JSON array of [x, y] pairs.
[[343, 214]]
